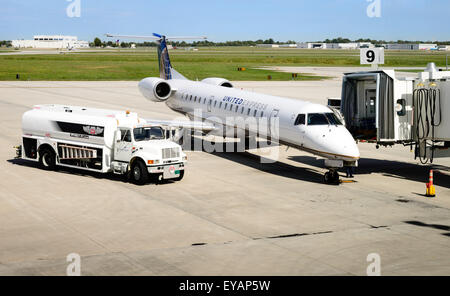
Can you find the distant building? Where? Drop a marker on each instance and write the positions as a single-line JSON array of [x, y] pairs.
[[410, 46], [321, 45], [268, 45], [443, 47], [291, 45], [51, 41]]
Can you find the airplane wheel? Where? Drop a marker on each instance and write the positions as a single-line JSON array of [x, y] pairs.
[[327, 178], [335, 176], [331, 177]]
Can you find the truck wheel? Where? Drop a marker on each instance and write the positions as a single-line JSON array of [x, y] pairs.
[[180, 177], [47, 159], [139, 173]]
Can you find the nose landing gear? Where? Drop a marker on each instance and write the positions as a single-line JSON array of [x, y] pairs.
[[331, 177]]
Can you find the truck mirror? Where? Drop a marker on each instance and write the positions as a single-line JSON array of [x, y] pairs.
[[118, 136]]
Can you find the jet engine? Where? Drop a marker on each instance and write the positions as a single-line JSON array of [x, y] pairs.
[[218, 81], [155, 89]]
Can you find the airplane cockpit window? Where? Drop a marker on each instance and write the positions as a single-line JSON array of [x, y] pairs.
[[317, 119], [323, 119], [333, 119], [300, 119]]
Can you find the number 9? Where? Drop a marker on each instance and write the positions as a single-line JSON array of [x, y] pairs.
[[370, 54]]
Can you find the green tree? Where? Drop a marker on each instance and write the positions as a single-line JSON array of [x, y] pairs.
[[97, 42]]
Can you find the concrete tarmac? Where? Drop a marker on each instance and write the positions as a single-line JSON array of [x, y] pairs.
[[230, 215]]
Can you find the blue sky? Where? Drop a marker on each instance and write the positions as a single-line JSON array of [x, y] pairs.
[[299, 20]]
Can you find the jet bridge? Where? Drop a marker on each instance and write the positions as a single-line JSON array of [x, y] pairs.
[[380, 108]]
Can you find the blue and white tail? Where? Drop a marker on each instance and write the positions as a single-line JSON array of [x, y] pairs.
[[165, 67]]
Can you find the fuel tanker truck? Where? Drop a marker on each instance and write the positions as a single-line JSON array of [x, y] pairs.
[[100, 140]]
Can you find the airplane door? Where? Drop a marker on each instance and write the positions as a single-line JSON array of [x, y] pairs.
[[272, 118], [122, 151]]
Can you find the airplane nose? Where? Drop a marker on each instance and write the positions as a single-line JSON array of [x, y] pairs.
[[347, 145], [337, 142]]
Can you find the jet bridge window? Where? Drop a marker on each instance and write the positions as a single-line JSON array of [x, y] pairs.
[[300, 119]]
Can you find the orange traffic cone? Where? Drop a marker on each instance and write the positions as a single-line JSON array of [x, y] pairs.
[[431, 192]]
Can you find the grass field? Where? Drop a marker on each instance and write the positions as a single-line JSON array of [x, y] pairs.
[[206, 62]]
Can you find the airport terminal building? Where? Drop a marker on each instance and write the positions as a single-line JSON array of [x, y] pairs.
[[51, 41]]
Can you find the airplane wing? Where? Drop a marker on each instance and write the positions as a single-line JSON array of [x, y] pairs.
[[195, 125]]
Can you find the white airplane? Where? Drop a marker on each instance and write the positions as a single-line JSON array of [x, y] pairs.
[[303, 125]]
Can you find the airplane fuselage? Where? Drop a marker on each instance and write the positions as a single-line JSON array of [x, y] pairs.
[[301, 124]]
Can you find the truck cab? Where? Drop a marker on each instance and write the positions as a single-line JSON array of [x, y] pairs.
[[159, 158]]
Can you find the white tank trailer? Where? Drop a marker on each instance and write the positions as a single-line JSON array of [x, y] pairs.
[[383, 109], [100, 140]]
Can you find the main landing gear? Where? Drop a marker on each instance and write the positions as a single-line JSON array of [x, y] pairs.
[[331, 177]]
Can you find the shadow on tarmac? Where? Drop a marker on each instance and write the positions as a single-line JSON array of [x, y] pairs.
[[84, 173], [434, 226], [389, 168]]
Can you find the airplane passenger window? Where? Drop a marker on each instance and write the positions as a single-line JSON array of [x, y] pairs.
[[248, 111], [242, 110], [262, 113], [231, 106], [190, 98], [254, 113], [226, 105], [300, 119], [236, 110], [220, 105], [204, 101], [195, 99], [317, 119], [215, 103]]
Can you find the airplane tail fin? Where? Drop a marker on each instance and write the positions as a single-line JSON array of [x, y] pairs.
[[165, 67]]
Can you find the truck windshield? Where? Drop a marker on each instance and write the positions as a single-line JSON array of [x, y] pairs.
[[148, 133], [323, 119]]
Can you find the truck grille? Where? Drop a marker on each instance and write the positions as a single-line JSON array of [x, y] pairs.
[[170, 153]]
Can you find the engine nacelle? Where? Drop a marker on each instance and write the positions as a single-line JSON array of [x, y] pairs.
[[218, 81], [155, 89]]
